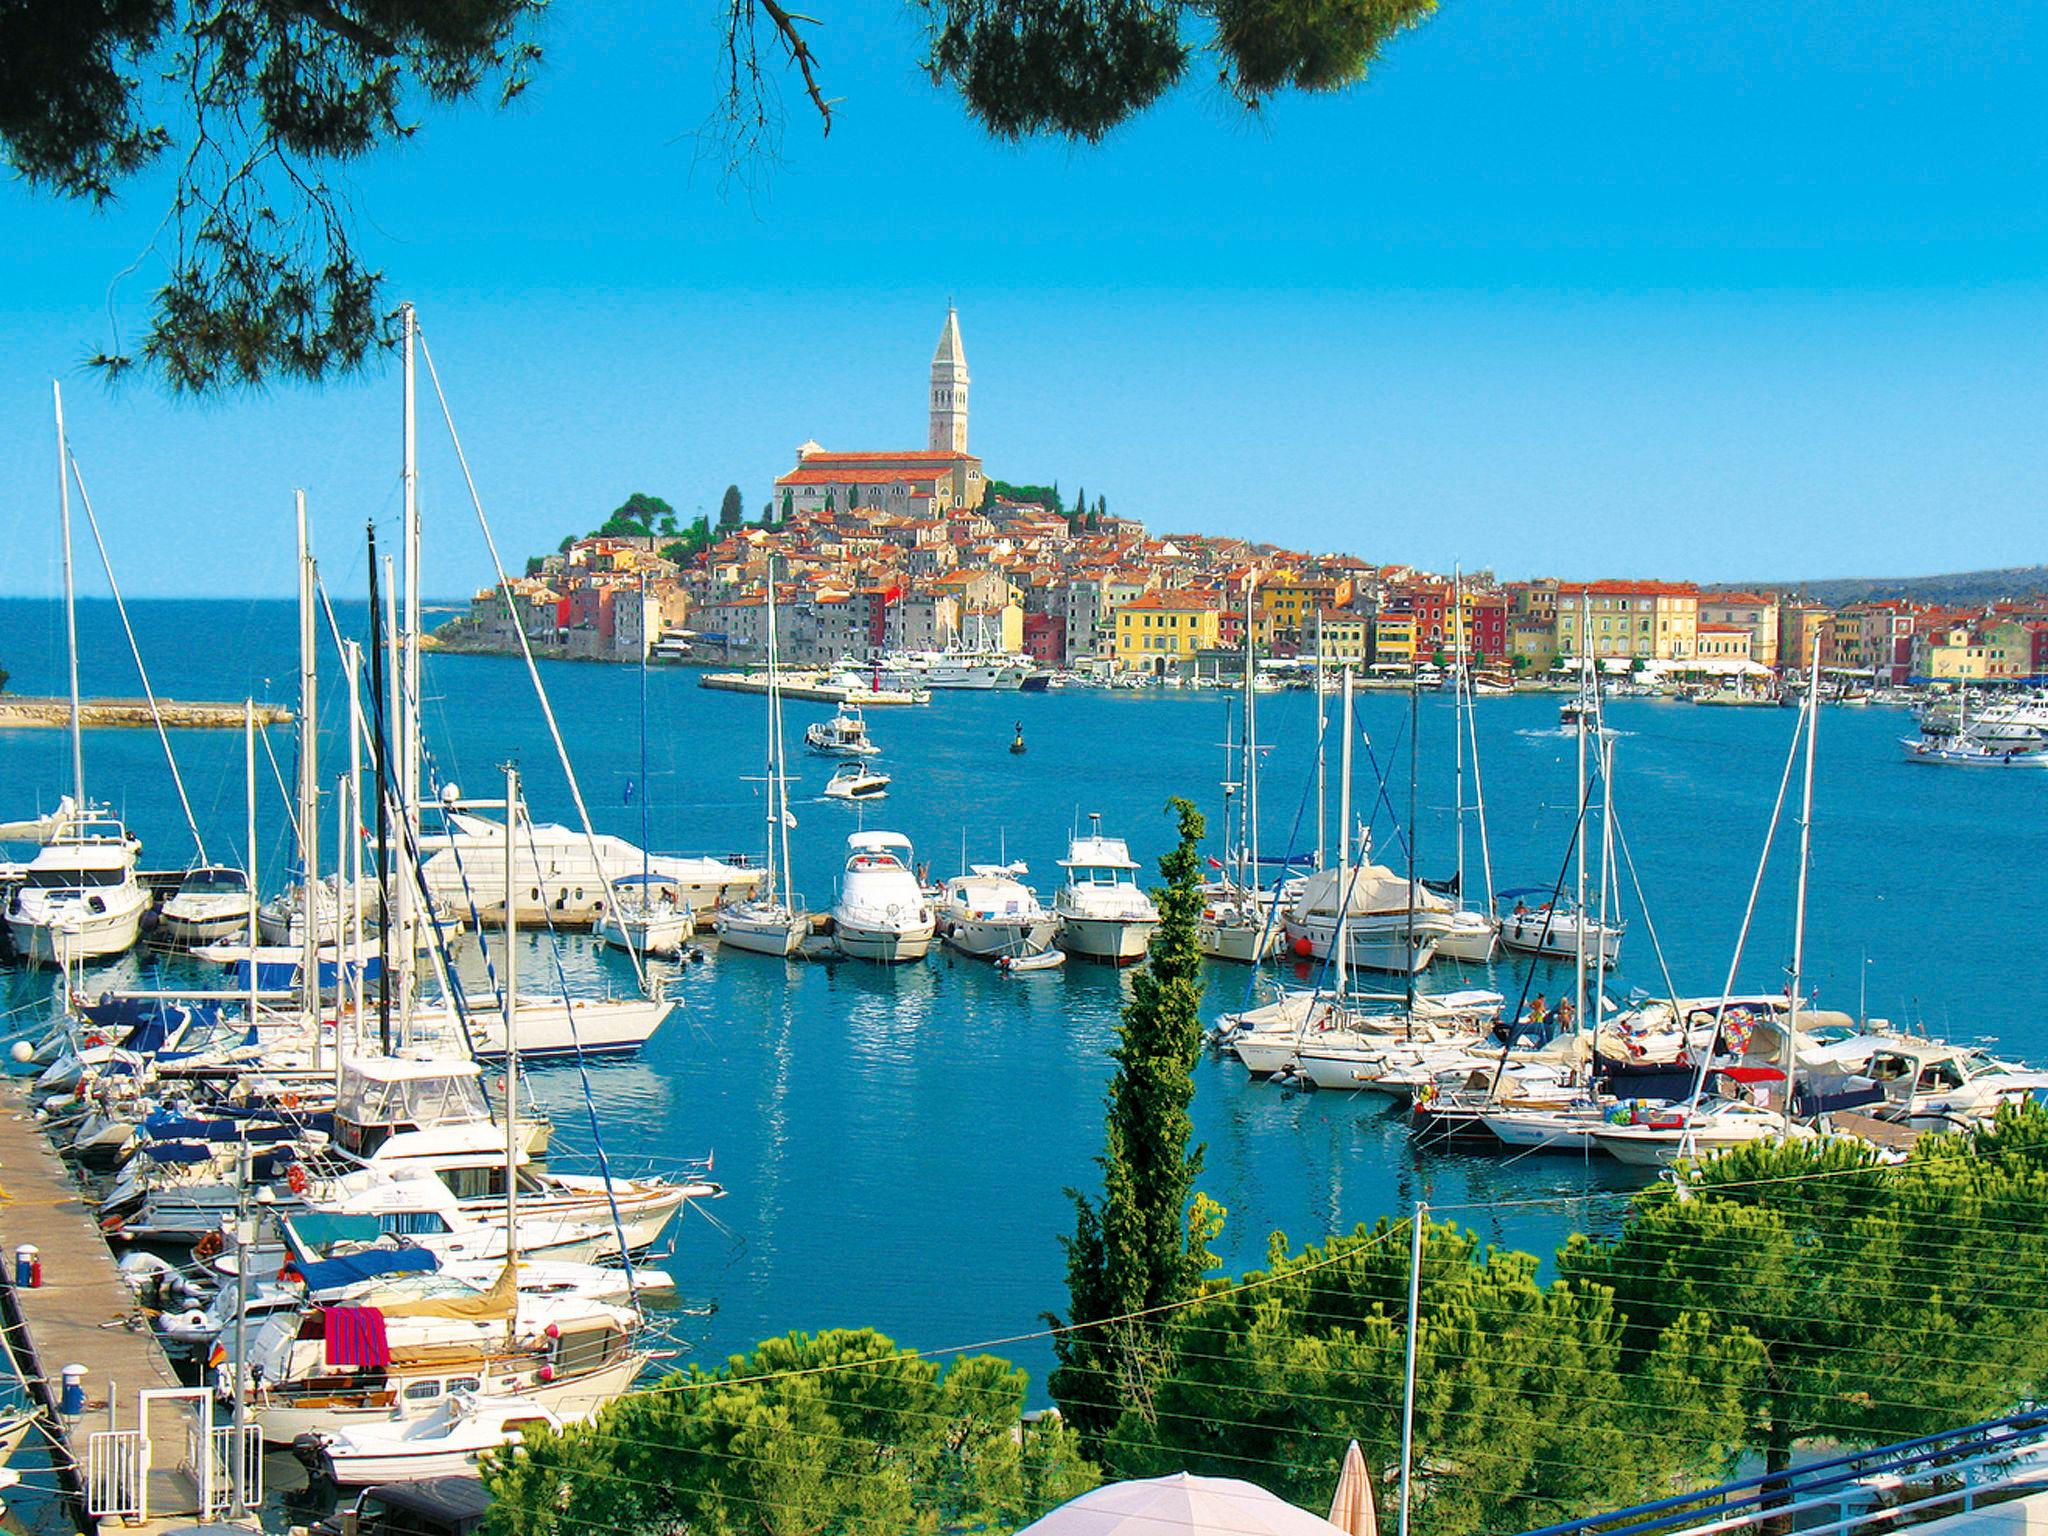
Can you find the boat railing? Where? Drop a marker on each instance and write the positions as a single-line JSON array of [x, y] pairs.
[[1979, 1463]]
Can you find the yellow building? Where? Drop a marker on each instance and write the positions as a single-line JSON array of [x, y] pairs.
[[1726, 642], [1287, 604], [1393, 640], [1160, 629], [1652, 620], [1347, 636], [1955, 653]]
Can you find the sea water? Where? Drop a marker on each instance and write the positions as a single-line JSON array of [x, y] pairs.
[[896, 1143]]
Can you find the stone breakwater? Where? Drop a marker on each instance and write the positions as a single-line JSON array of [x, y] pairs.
[[100, 714]]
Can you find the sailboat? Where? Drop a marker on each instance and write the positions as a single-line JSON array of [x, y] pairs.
[[79, 897], [1237, 923], [1475, 932], [772, 922], [646, 918]]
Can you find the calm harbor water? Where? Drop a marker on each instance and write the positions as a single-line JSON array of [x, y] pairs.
[[896, 1142]]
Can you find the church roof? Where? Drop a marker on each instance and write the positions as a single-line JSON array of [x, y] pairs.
[[950, 352]]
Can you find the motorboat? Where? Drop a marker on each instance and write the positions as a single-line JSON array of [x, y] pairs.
[[647, 919], [1653, 1134], [844, 735], [449, 1442], [990, 912], [882, 913], [1472, 938], [79, 898], [1387, 928], [856, 781], [1964, 750], [1102, 912], [211, 903], [1552, 927]]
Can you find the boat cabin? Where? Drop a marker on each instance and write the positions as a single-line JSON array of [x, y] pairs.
[[382, 1097]]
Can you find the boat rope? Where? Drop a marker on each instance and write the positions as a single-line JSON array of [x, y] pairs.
[[604, 1162], [547, 708], [134, 649]]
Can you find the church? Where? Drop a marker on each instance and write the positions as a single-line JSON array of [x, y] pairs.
[[940, 478]]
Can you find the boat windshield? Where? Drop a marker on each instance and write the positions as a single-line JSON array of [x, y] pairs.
[[201, 881], [74, 879], [1101, 874], [416, 1101]]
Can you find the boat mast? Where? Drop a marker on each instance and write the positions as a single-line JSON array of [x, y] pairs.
[[405, 674], [400, 873], [382, 784], [646, 886], [1799, 907], [1322, 730], [1409, 966], [1251, 754], [510, 1007], [1586, 686], [1603, 745], [309, 788], [352, 654], [1341, 941], [1461, 683], [249, 776], [778, 774], [70, 602]]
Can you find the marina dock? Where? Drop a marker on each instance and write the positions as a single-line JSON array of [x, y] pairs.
[[810, 685], [83, 1314], [132, 714]]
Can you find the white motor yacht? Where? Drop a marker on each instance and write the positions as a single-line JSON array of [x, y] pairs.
[[1551, 929], [1103, 913], [210, 903], [856, 781], [990, 911], [1384, 934], [844, 735], [882, 913], [79, 897]]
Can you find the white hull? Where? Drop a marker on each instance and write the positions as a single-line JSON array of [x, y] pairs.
[[572, 1400], [83, 938], [1377, 942], [658, 933], [1115, 940], [1239, 939], [591, 1025], [1542, 1130], [885, 945], [763, 931], [1525, 933], [986, 939], [1473, 938]]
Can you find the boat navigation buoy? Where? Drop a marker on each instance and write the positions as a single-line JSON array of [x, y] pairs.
[[1017, 744]]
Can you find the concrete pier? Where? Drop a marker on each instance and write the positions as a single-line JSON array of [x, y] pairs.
[[131, 714], [82, 1314]]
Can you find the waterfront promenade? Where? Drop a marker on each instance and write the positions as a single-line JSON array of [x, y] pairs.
[[82, 1314]]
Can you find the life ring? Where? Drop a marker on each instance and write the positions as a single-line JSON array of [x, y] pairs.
[[290, 1101], [295, 1176], [209, 1246], [95, 1039]]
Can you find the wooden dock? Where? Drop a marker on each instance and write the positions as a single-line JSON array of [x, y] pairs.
[[82, 1314]]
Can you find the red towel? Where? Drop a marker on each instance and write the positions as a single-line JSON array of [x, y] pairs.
[[355, 1336]]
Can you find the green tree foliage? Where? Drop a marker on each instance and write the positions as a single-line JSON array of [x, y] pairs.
[[839, 1432], [256, 104], [636, 517], [535, 564], [1885, 1302], [732, 510], [1078, 68], [1047, 496], [1144, 1245], [1522, 1412], [697, 538], [788, 504]]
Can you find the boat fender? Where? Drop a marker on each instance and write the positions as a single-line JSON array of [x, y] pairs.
[[209, 1245], [295, 1176]]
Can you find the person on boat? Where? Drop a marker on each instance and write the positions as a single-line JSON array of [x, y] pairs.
[[1562, 1018], [1522, 910]]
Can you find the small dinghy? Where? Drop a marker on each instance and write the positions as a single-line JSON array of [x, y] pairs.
[[1044, 960], [447, 1442]]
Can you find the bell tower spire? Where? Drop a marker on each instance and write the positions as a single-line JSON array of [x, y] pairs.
[[949, 389]]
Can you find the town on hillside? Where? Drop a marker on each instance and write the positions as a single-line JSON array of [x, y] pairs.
[[875, 553]]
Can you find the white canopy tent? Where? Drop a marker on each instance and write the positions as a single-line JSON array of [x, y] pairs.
[[1180, 1505]]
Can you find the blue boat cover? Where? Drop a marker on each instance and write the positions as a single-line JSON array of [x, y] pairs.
[[353, 1268], [176, 1152]]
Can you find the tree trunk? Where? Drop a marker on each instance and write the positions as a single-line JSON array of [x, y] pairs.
[[1777, 1459]]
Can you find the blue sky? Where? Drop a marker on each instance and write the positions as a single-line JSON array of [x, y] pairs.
[[1683, 289]]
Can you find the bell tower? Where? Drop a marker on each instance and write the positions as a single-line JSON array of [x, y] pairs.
[[949, 389]]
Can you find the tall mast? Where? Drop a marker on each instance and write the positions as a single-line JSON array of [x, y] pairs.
[[400, 875], [1251, 755], [309, 787], [1322, 730], [1579, 827], [405, 675], [778, 767], [249, 776], [646, 887], [1799, 908], [1603, 746], [70, 602], [1408, 965], [352, 654], [1341, 944], [1461, 691], [511, 1009]]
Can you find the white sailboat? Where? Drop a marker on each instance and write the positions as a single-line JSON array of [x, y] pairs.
[[773, 921], [645, 918], [1475, 931], [1238, 921]]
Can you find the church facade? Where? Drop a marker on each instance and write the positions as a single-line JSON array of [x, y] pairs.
[[930, 482]]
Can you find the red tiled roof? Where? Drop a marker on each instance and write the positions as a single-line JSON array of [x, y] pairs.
[[810, 474], [1181, 599], [1631, 588]]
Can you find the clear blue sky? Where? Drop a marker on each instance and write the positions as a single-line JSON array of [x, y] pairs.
[[1680, 289]]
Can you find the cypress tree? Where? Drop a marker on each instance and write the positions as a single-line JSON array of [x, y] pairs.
[[1144, 1246]]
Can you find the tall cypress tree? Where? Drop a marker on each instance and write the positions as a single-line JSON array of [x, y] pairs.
[[1144, 1246]]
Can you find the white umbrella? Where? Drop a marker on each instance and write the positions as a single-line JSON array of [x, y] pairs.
[[1351, 1506], [1179, 1505]]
